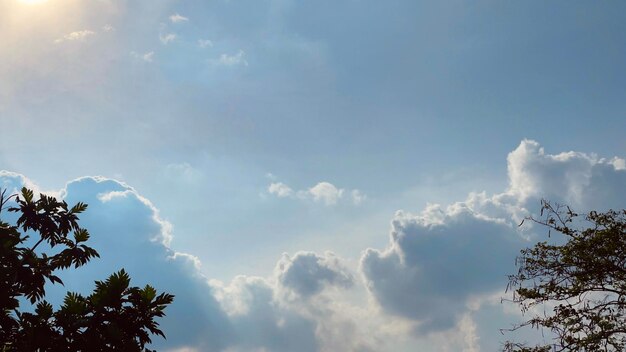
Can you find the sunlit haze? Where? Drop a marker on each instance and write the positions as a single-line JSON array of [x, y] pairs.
[[32, 2], [315, 175]]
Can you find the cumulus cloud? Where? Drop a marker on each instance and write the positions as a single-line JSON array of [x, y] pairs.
[[280, 189], [232, 60], [436, 261], [326, 192], [205, 43], [76, 36], [437, 268], [259, 321], [579, 179], [177, 18], [12, 182], [145, 57], [167, 38], [443, 258], [128, 232], [323, 192], [307, 273], [247, 314]]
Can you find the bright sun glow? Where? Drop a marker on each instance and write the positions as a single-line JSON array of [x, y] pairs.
[[32, 2]]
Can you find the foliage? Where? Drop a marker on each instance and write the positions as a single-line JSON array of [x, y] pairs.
[[579, 285], [115, 316]]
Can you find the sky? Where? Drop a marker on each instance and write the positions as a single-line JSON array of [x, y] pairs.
[[316, 175]]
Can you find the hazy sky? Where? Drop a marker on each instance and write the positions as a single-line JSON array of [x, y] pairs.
[[316, 175]]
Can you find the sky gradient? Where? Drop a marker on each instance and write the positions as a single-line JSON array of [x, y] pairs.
[[316, 176]]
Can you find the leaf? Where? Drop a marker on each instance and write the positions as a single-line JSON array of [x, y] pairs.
[[44, 310], [148, 293], [27, 194], [81, 235], [78, 208], [55, 279]]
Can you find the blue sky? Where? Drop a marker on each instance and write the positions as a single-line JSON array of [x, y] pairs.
[[271, 144]]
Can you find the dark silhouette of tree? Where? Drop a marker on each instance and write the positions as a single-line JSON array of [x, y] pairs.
[[115, 317], [580, 285]]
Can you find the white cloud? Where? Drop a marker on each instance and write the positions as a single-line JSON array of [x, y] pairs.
[[323, 192], [618, 163], [128, 232], [432, 277], [167, 38], [177, 18], [358, 197], [232, 60], [13, 182], [326, 192], [205, 43], [436, 261], [76, 36], [306, 273], [145, 57], [259, 321], [582, 180], [440, 260], [280, 189], [248, 314], [108, 28]]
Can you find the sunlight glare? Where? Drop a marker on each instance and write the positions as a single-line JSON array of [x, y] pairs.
[[32, 2]]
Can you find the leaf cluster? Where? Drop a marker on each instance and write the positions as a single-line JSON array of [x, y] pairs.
[[116, 316], [580, 285]]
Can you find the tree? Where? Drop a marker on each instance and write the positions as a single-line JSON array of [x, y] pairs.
[[115, 317], [580, 285]]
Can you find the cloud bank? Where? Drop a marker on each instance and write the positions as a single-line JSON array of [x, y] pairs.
[[439, 266]]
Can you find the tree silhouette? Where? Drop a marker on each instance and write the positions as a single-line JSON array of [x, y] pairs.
[[115, 317], [579, 285]]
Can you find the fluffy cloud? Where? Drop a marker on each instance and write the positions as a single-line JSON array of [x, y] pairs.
[[232, 60], [326, 192], [129, 233], [260, 322], [437, 262], [280, 190], [247, 314], [177, 18], [167, 38], [322, 192], [12, 182], [307, 273], [76, 36], [582, 180], [429, 281]]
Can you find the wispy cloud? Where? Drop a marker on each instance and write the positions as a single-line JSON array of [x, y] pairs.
[[177, 18], [146, 57], [205, 43], [167, 38], [76, 36], [232, 60]]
